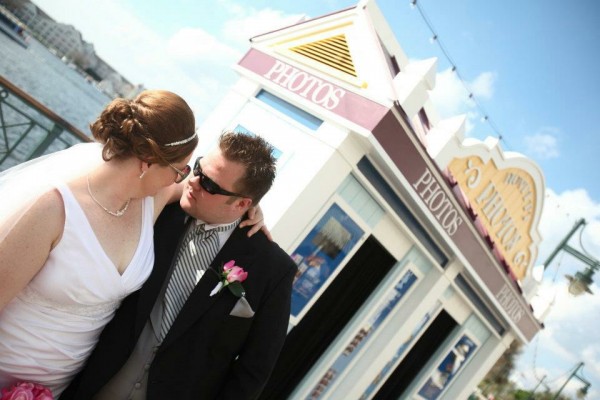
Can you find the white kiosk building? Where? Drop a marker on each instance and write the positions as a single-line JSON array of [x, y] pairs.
[[413, 244]]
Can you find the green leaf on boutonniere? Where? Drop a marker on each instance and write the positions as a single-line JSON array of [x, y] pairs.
[[237, 289], [232, 277]]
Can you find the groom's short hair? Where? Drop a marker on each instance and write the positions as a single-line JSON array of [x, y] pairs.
[[256, 155]]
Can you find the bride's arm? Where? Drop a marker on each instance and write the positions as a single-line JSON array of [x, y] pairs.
[[257, 221], [25, 248]]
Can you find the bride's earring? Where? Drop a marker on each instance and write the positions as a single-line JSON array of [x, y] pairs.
[[142, 174]]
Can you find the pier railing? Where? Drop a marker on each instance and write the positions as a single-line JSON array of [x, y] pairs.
[[29, 129]]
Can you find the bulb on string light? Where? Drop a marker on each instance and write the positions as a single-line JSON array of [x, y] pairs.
[[471, 101]]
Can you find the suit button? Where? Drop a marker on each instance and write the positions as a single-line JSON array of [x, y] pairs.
[[146, 367], [138, 385]]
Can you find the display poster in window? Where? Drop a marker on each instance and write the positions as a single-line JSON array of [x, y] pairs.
[[448, 368], [321, 253], [364, 334], [387, 369]]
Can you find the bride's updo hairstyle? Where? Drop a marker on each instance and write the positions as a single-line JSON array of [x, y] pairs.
[[157, 126]]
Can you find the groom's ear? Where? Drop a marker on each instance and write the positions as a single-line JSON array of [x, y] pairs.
[[244, 203]]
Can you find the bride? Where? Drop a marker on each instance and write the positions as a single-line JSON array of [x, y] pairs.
[[76, 234]]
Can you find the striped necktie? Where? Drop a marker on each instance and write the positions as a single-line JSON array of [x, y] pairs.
[[198, 248]]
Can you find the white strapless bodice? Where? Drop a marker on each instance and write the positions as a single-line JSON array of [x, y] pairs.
[[49, 329]]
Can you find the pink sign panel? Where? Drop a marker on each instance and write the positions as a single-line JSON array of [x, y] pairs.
[[321, 92]]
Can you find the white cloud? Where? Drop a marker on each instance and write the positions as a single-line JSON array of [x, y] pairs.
[[126, 42], [543, 144], [249, 22], [191, 62], [569, 337], [195, 45], [561, 211], [232, 7], [451, 97], [483, 85], [570, 333], [200, 73]]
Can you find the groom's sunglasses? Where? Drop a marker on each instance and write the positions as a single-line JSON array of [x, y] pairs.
[[209, 185]]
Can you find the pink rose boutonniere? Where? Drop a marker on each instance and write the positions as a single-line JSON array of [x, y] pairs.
[[26, 391], [231, 277]]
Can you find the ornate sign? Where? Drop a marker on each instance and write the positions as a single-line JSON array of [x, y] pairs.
[[504, 193]]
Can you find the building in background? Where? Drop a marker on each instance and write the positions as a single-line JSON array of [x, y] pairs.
[[67, 43], [414, 244]]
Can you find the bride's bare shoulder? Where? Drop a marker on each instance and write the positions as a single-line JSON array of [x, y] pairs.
[[47, 212]]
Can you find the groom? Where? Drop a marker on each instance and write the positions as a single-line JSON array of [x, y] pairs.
[[179, 337]]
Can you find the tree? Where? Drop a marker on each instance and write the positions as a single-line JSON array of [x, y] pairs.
[[497, 379]]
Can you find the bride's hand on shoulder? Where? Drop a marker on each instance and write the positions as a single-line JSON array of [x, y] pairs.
[[256, 221]]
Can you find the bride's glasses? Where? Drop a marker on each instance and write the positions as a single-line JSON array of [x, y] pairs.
[[181, 175]]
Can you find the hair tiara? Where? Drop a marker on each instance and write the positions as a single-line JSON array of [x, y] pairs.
[[184, 141]]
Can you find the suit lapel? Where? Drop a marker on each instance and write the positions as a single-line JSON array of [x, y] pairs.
[[236, 248], [164, 261]]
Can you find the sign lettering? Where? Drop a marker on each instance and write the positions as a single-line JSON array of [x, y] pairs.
[[437, 202], [510, 303], [505, 201], [308, 86]]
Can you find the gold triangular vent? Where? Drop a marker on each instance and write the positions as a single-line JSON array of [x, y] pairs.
[[332, 51]]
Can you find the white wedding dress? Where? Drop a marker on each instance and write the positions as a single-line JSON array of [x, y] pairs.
[[50, 328]]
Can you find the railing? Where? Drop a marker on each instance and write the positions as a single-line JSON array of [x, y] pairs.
[[29, 129]]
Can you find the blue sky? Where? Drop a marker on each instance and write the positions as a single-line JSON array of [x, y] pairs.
[[532, 66]]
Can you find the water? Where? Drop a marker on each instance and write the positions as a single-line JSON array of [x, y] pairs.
[[46, 78]]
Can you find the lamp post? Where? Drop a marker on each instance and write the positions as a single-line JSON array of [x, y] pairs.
[[563, 242], [581, 282], [583, 390]]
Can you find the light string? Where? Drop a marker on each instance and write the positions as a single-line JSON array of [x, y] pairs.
[[471, 96], [435, 38]]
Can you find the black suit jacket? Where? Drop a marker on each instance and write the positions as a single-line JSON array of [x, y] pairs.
[[207, 353]]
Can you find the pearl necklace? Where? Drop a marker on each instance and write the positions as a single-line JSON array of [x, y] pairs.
[[118, 213]]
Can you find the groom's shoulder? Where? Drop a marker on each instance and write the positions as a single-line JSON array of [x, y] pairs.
[[171, 215], [271, 250]]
